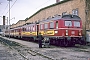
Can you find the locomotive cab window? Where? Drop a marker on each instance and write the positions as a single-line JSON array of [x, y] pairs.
[[76, 24], [68, 23], [51, 25]]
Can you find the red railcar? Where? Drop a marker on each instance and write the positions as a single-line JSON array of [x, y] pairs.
[[29, 31], [63, 30]]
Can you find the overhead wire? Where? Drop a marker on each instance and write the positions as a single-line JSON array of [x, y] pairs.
[[11, 7], [36, 8]]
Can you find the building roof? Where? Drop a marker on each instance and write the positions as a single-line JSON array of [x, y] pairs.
[[48, 7]]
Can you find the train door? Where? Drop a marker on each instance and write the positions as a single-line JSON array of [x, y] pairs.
[[37, 29], [19, 31]]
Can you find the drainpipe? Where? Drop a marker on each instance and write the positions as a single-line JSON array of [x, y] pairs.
[[86, 15]]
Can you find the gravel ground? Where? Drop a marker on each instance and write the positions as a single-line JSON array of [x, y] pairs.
[[7, 54], [55, 53]]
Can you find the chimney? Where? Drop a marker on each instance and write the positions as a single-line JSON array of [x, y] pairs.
[[3, 20], [57, 1]]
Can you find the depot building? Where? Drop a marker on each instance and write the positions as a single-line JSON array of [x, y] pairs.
[[75, 7]]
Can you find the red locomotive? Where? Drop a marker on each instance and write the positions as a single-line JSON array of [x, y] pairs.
[[65, 30]]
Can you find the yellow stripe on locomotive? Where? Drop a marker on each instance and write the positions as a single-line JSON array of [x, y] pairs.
[[29, 33], [51, 32]]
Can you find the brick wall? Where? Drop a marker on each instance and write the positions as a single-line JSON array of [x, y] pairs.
[[59, 9]]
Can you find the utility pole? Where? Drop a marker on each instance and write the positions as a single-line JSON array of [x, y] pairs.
[[9, 17], [87, 8]]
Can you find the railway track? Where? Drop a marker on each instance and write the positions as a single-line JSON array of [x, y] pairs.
[[25, 52], [79, 52]]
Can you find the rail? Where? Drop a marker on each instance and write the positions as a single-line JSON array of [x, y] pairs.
[[22, 50]]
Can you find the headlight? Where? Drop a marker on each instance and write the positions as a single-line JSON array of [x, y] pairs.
[[79, 32], [66, 32], [56, 32]]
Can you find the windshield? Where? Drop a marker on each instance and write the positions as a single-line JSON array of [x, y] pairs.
[[76, 24], [68, 23]]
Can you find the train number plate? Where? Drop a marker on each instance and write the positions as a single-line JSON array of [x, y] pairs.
[[73, 32]]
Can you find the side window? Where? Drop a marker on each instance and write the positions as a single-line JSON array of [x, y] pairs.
[[41, 26], [51, 25], [56, 24], [26, 28], [68, 23], [30, 28], [46, 25], [33, 28], [75, 12]]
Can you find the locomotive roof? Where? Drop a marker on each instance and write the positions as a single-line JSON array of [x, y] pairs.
[[71, 17], [29, 25], [63, 17]]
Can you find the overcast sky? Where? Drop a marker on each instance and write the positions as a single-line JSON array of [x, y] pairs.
[[22, 9]]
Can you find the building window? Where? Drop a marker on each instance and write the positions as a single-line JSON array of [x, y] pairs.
[[75, 11]]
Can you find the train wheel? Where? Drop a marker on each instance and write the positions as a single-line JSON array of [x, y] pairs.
[[57, 43], [82, 42], [53, 42], [65, 43], [72, 44]]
